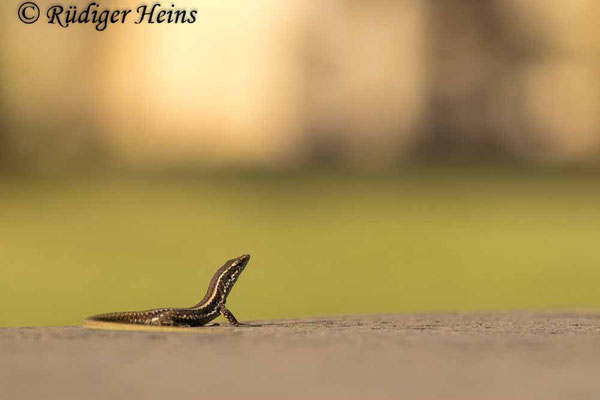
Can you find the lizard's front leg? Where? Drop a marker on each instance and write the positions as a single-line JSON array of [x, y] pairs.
[[227, 314]]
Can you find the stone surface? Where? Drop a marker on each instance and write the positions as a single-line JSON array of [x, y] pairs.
[[419, 356]]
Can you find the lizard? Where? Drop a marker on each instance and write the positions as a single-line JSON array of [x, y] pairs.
[[209, 308]]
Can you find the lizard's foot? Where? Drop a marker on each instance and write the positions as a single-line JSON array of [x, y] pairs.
[[229, 316], [163, 319], [232, 320]]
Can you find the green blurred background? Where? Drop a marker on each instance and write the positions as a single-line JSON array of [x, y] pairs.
[[321, 243], [372, 157]]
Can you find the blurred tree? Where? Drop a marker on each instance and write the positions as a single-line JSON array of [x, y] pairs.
[[465, 49]]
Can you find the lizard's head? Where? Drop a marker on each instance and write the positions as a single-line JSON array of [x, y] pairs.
[[239, 263], [231, 271]]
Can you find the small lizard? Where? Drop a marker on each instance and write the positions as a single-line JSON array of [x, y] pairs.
[[211, 306]]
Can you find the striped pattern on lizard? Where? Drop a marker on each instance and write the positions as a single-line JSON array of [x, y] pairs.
[[211, 306]]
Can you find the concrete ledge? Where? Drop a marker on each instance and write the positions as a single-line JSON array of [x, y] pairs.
[[516, 355]]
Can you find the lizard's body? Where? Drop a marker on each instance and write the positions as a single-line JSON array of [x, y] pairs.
[[211, 306]]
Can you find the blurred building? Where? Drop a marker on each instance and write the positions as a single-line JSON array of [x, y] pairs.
[[365, 84]]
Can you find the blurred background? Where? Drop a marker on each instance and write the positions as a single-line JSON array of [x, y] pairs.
[[373, 156]]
